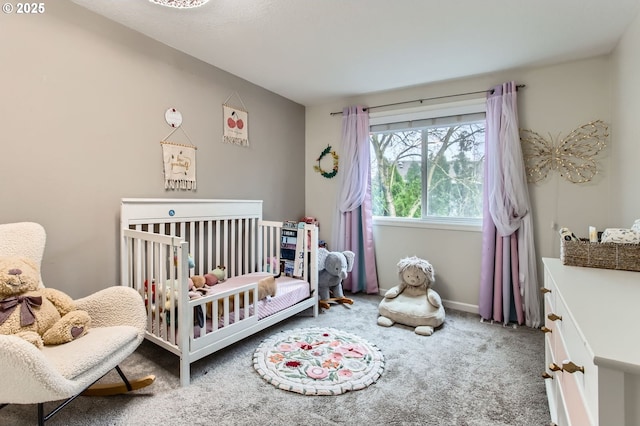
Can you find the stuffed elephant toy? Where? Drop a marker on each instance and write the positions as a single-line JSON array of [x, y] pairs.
[[333, 267]]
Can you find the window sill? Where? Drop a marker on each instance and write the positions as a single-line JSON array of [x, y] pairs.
[[464, 225]]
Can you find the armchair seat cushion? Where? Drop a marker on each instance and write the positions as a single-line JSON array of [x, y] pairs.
[[75, 358]]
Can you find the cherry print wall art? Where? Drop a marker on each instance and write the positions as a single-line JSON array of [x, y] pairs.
[[235, 126]]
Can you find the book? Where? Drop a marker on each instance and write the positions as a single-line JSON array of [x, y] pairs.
[[298, 267]]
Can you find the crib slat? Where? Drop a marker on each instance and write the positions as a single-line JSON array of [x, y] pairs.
[[235, 246], [155, 289], [199, 256], [256, 263], [216, 244], [245, 247], [265, 240], [209, 267], [225, 244]]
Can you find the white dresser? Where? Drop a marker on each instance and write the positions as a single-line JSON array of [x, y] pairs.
[[592, 345]]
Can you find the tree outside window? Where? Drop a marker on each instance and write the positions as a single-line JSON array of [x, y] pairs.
[[431, 171]]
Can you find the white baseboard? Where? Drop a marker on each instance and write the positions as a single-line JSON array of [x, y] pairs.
[[452, 304], [459, 306]]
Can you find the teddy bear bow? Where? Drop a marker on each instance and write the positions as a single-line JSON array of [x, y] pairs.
[[8, 305]]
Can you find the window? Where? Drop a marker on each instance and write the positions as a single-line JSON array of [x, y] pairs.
[[428, 164]]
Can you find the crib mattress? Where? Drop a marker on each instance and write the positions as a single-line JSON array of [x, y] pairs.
[[289, 291]]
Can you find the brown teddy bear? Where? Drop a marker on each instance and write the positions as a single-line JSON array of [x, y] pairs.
[[42, 316]]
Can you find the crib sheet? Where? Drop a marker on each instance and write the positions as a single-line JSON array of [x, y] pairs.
[[289, 291]]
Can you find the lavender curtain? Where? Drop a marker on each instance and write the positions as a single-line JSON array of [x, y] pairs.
[[353, 224], [508, 278]]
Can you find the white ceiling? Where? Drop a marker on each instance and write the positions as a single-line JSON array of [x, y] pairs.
[[314, 51]]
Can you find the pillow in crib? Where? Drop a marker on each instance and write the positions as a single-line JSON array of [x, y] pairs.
[[636, 226], [617, 235]]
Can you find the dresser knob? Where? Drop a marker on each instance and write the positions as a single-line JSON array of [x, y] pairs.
[[544, 290], [554, 367], [546, 375], [546, 329], [570, 367], [554, 317]]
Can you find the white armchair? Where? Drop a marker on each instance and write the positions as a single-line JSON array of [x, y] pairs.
[[54, 373]]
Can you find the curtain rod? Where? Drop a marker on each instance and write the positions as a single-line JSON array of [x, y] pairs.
[[429, 99]]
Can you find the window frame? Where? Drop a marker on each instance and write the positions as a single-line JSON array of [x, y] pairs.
[[422, 112]]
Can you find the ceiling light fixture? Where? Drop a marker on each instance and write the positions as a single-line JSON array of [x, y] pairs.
[[180, 4]]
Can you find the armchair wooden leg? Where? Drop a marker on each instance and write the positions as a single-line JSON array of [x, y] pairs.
[[107, 389]]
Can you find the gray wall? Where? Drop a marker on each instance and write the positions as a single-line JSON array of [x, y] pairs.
[[82, 109]]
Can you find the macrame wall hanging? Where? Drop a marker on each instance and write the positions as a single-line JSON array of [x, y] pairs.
[[235, 123], [572, 156], [179, 159]]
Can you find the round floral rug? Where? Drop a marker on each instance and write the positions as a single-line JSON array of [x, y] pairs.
[[318, 361]]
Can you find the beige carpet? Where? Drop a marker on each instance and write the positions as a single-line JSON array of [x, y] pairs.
[[466, 373]]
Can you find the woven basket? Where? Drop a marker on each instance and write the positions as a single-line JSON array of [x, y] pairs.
[[601, 255]]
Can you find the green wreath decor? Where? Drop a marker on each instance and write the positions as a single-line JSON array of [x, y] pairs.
[[334, 171]]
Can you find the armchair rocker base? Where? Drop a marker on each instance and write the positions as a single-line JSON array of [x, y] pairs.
[[106, 389]]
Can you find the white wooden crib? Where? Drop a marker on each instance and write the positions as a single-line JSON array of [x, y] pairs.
[[158, 238]]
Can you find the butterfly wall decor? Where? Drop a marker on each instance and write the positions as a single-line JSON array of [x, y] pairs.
[[573, 156]]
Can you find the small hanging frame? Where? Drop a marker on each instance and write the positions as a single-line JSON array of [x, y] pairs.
[[179, 159], [235, 123]]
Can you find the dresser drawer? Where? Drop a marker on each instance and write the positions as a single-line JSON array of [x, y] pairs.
[[598, 332], [571, 391], [565, 345], [549, 290], [549, 325], [579, 377]]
